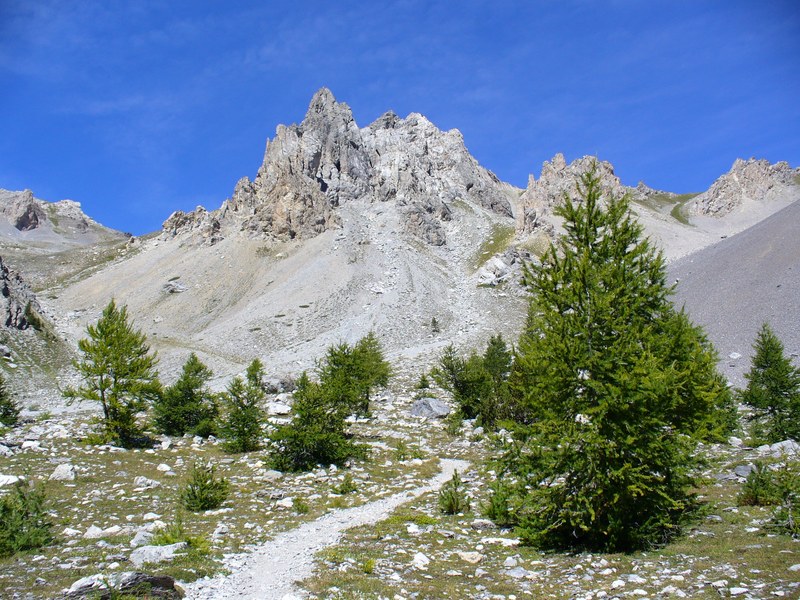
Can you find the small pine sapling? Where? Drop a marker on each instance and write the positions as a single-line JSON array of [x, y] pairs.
[[452, 497], [204, 490]]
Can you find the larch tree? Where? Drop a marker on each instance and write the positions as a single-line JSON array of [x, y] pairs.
[[119, 372], [615, 386], [773, 389]]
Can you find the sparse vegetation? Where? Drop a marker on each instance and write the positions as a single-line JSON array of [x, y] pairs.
[[497, 241]]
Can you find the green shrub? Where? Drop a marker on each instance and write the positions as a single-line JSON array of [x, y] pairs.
[[301, 507], [478, 383], [761, 488], [346, 486], [498, 508], [316, 435], [351, 373], [174, 533], [452, 497], [187, 406], [24, 522], [9, 409], [243, 425], [204, 491]]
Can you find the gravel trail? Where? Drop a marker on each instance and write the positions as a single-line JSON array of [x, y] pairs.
[[272, 569]]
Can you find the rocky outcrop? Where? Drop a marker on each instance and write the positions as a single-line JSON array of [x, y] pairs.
[[748, 181], [558, 179], [27, 213], [19, 303], [205, 224], [312, 168], [22, 210]]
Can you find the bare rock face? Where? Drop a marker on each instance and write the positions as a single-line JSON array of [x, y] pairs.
[[26, 213], [16, 298], [312, 168], [199, 220], [559, 178], [748, 181], [22, 210]]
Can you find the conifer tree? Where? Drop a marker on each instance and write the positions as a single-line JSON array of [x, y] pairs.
[[603, 458], [773, 389], [350, 373], [119, 372], [316, 435], [9, 410], [188, 406], [243, 424]]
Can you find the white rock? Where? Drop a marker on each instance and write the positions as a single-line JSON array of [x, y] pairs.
[[287, 502], [69, 532], [144, 482], [9, 479], [142, 538], [738, 591], [164, 468], [220, 531], [92, 581], [471, 557], [93, 533], [150, 516], [510, 562], [155, 554], [278, 408], [420, 561], [795, 568], [63, 472], [113, 530]]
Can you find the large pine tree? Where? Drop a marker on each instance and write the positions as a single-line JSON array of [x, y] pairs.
[[614, 384]]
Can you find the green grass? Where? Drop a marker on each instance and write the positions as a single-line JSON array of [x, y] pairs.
[[674, 203], [497, 241]]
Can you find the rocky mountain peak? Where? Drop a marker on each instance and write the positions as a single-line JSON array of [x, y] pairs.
[[312, 168], [748, 181], [558, 178]]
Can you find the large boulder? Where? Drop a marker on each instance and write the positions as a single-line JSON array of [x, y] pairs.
[[128, 584]]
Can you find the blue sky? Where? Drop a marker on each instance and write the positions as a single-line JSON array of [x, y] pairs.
[[136, 109]]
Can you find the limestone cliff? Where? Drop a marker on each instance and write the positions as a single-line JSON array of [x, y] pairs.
[[311, 169], [748, 181]]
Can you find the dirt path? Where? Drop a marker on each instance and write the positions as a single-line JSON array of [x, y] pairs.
[[272, 570]]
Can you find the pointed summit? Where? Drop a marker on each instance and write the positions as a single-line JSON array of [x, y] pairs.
[[324, 107]]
